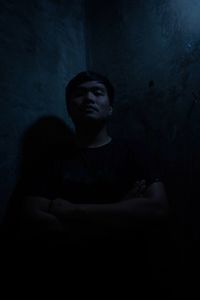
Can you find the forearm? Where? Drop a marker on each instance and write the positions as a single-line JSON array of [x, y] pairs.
[[91, 218], [126, 212], [130, 211]]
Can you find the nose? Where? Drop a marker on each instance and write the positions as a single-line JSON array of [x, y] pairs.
[[89, 97]]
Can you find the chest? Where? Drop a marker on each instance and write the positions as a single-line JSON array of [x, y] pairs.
[[94, 178]]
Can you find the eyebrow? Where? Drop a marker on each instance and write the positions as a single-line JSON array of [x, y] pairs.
[[91, 88]]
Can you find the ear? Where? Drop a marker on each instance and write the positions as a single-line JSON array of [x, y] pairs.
[[110, 110]]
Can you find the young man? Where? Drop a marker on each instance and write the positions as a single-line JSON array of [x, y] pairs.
[[96, 186], [96, 196]]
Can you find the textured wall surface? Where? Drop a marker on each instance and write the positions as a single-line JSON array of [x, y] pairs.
[[149, 49], [42, 47], [151, 52]]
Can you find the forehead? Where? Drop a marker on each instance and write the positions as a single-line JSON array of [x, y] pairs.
[[92, 84]]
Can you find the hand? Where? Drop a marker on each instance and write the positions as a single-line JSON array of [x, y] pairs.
[[36, 211], [70, 216], [60, 207], [34, 205], [140, 187], [138, 190]]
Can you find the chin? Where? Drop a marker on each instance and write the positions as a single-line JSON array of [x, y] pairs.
[[92, 120]]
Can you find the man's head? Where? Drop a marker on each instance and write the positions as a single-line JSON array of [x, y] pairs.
[[89, 97]]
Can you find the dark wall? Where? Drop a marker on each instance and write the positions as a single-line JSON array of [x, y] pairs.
[[42, 47], [151, 52]]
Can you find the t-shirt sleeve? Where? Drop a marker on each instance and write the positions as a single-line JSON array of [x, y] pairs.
[[144, 166]]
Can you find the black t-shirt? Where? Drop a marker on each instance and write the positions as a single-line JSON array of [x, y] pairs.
[[95, 175], [91, 175]]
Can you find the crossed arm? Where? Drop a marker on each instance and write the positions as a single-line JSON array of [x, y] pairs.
[[141, 204]]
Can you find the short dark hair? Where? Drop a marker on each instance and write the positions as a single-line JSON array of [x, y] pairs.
[[89, 76]]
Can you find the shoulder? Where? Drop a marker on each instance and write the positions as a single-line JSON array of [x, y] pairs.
[[145, 164]]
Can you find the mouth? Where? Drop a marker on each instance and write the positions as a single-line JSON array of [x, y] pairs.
[[89, 108]]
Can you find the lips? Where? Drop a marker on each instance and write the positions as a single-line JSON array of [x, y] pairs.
[[89, 108]]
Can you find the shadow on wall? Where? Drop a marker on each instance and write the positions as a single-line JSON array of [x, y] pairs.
[[41, 142], [40, 145]]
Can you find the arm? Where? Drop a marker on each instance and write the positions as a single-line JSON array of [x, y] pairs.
[[35, 214], [151, 206]]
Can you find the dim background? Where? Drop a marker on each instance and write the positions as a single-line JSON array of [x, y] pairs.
[[149, 49]]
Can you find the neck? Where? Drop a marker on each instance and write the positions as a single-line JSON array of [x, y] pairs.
[[92, 136]]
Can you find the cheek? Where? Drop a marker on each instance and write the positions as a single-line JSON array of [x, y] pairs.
[[77, 102], [104, 103], [106, 108]]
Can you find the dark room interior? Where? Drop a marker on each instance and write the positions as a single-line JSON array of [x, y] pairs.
[[150, 51]]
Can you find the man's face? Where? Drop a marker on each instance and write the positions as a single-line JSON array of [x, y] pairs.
[[89, 102]]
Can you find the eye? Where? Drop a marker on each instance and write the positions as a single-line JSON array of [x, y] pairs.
[[98, 92]]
